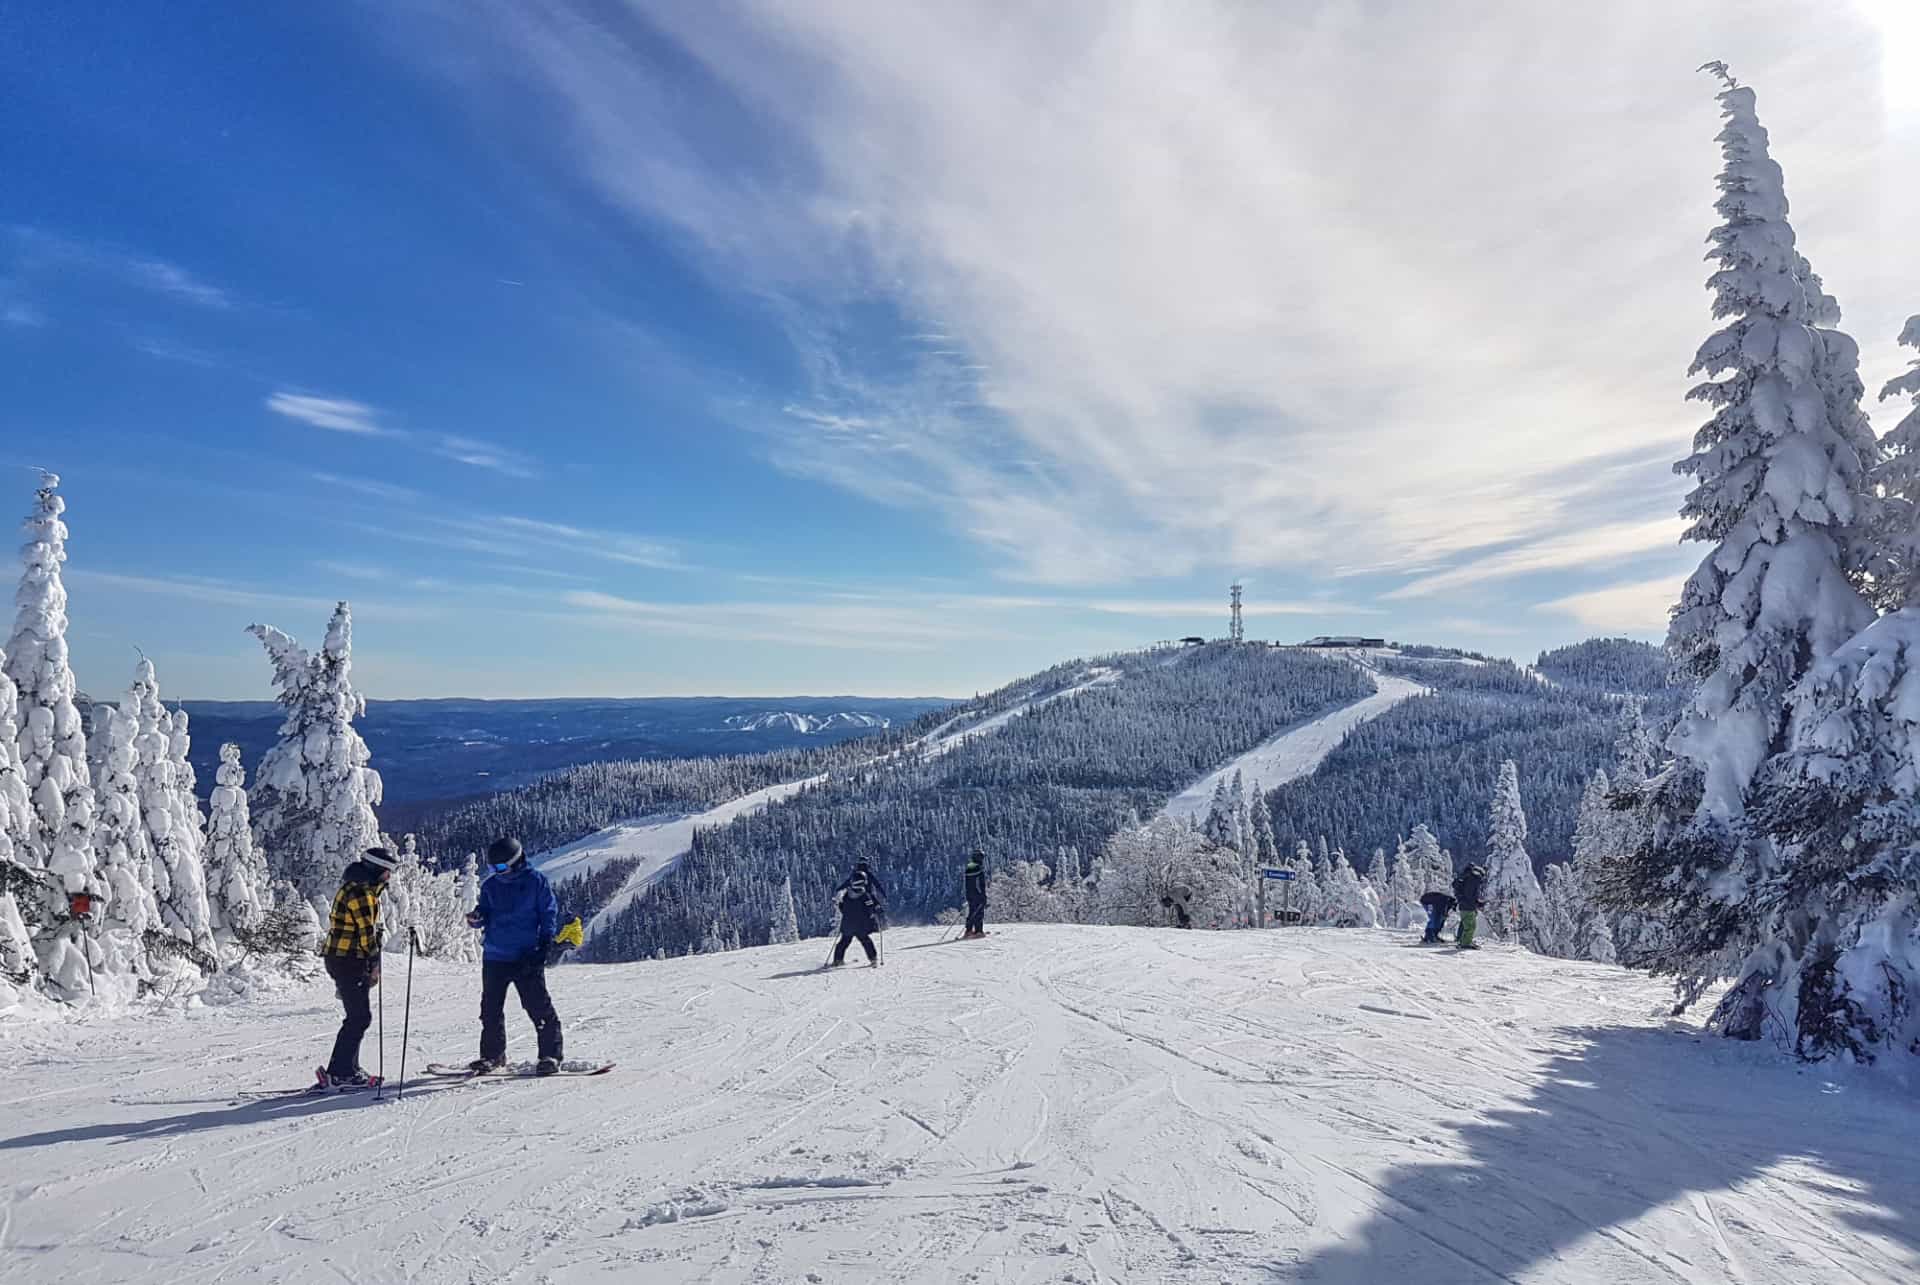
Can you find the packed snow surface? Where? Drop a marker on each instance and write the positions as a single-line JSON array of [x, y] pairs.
[[1298, 751], [1049, 1104]]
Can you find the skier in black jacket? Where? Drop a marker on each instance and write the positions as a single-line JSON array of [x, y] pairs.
[[863, 905], [976, 895], [1467, 887]]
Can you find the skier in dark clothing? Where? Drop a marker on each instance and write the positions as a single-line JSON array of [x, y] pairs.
[[1439, 905], [863, 907], [520, 918], [1467, 887], [352, 955], [976, 895]]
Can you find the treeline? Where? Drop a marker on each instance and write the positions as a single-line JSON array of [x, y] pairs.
[[578, 801], [1436, 760], [1066, 775], [1610, 665]]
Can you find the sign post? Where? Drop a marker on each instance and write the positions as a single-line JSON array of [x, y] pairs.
[[1283, 876]]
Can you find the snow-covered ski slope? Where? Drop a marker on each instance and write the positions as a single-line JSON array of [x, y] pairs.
[[1052, 1104], [657, 842], [1298, 751]]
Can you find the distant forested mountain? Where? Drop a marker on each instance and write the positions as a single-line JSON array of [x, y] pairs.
[[1062, 777], [446, 750], [1609, 665]]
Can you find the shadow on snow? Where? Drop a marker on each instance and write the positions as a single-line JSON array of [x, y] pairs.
[[1635, 1120]]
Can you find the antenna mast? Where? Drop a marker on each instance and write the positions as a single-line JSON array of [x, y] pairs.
[[1235, 633]]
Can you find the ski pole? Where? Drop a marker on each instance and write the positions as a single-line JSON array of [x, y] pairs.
[[382, 1086], [406, 1014]]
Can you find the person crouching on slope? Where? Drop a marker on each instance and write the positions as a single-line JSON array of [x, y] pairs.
[[519, 916], [352, 955], [1438, 905], [976, 895], [862, 903], [1467, 887]]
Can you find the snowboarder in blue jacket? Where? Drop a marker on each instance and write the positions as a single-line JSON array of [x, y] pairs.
[[519, 915]]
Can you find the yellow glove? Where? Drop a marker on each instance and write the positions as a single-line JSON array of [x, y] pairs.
[[571, 934]]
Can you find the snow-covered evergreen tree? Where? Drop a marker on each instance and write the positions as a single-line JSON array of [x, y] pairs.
[[786, 916], [1782, 494], [1514, 907], [1634, 748], [53, 758], [1562, 914], [1432, 868], [1018, 891], [122, 848], [1400, 904], [20, 883], [1220, 828], [171, 816], [314, 795], [1377, 870], [238, 887], [1839, 960], [1260, 822]]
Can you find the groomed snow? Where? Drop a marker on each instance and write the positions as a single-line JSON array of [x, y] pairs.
[[1298, 751], [1052, 1104]]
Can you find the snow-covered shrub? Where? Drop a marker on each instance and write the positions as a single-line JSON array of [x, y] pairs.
[[1019, 892]]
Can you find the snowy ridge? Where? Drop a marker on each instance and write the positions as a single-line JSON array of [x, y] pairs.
[[657, 842], [1299, 751], [1054, 1104], [804, 724]]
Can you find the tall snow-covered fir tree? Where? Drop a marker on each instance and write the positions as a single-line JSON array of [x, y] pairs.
[[1260, 823], [314, 795], [1839, 960], [20, 883], [1433, 869], [171, 814], [1514, 907], [786, 916], [121, 846], [1782, 495], [53, 757], [239, 890]]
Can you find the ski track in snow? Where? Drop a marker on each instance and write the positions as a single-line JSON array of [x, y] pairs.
[[660, 841], [1298, 751], [1054, 1104]]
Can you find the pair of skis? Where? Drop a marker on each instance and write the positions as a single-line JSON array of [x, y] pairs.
[[324, 1088]]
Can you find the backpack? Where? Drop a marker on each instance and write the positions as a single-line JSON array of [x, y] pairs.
[[858, 892]]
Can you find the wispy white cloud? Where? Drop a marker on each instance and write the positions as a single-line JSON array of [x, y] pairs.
[[16, 313], [1195, 328], [839, 625], [39, 251], [175, 351], [1595, 548], [1640, 607], [609, 546], [369, 486], [336, 414], [487, 455], [1218, 607], [227, 594]]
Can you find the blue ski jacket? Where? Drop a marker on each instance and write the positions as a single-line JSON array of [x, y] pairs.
[[519, 914]]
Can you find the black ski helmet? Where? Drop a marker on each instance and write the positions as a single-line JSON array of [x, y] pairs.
[[505, 852]]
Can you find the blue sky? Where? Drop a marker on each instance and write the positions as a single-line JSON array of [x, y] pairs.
[[636, 349]]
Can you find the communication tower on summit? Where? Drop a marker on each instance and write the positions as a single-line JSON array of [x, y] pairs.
[[1234, 632]]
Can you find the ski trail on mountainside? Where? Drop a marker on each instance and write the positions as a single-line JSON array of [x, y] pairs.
[[1055, 1104], [1298, 751], [658, 842]]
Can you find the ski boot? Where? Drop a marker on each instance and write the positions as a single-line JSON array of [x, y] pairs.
[[548, 1066], [486, 1065]]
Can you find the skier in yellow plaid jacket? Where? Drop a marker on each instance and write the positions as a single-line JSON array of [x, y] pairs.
[[352, 955]]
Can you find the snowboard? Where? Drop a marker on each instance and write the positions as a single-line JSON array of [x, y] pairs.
[[517, 1071]]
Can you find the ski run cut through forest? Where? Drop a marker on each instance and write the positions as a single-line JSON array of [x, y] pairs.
[[1050, 1104]]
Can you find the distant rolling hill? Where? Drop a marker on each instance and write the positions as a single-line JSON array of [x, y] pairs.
[[436, 750]]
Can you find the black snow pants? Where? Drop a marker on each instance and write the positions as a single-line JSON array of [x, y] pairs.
[[846, 939], [529, 977], [352, 982], [977, 916]]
